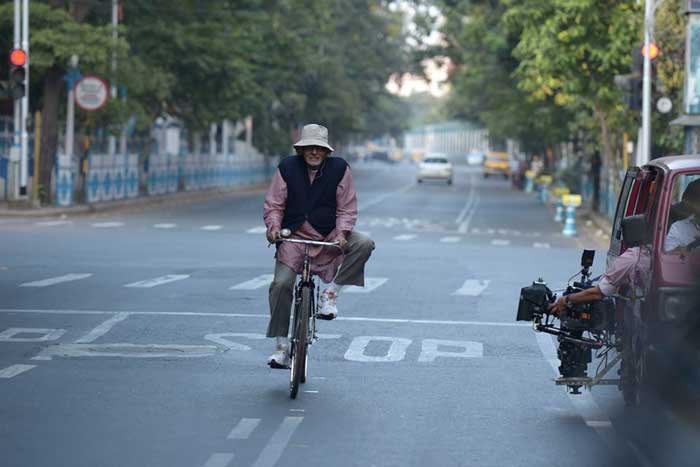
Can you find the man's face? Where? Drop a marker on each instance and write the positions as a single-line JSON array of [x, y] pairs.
[[314, 155]]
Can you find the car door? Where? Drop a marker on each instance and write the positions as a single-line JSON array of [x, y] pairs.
[[626, 202]]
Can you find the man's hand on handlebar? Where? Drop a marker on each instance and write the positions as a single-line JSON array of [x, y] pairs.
[[273, 235], [342, 241]]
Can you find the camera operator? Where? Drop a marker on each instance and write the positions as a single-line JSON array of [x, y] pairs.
[[630, 270]]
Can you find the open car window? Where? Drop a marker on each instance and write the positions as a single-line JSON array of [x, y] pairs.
[[682, 224]]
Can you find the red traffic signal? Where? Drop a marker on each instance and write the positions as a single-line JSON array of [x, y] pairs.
[[18, 57], [653, 50]]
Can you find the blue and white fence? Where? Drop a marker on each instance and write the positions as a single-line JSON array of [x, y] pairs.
[[64, 180], [112, 177]]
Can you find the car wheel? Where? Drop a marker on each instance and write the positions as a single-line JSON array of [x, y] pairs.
[[486, 175], [420, 181], [449, 181]]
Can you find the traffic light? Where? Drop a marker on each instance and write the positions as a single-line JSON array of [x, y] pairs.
[[16, 87], [635, 98]]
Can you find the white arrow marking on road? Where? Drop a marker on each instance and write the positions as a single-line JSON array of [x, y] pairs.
[[212, 227], [56, 280], [103, 328], [405, 237], [244, 428], [107, 225], [148, 283], [52, 223], [540, 245], [219, 459], [127, 350], [450, 239], [15, 370], [472, 287], [164, 226], [371, 283], [220, 338], [430, 350], [257, 230], [500, 242], [273, 450], [260, 281]]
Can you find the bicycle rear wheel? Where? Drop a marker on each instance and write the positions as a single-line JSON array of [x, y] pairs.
[[301, 343]]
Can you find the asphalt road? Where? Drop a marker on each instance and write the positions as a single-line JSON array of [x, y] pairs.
[[136, 338]]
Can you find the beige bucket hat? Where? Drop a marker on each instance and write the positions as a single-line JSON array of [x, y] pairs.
[[313, 135]]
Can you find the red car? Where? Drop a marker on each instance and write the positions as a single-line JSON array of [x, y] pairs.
[[655, 329]]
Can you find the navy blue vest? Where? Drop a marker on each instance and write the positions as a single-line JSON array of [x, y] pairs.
[[314, 202]]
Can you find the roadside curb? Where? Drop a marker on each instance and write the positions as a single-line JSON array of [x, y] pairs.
[[143, 201]]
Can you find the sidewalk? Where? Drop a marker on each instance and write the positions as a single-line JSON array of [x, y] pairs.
[[24, 209]]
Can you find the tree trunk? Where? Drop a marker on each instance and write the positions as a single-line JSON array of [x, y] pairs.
[[53, 85]]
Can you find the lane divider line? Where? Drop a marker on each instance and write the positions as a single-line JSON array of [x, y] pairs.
[[103, 328], [272, 452], [219, 459], [156, 281], [14, 370], [244, 428], [56, 280]]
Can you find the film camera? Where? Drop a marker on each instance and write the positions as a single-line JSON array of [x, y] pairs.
[[583, 327]]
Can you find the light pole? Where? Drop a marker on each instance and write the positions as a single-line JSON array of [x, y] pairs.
[[71, 79], [649, 8]]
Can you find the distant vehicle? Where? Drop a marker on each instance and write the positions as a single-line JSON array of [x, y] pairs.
[[496, 163], [382, 156], [435, 167], [475, 158]]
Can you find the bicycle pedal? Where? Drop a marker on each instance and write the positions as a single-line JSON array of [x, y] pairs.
[[325, 317], [273, 364]]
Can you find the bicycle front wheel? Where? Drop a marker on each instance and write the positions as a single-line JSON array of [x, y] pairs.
[[301, 342]]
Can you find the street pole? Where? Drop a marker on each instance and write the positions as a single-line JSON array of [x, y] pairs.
[[24, 114], [16, 138], [646, 89], [112, 141], [70, 113]]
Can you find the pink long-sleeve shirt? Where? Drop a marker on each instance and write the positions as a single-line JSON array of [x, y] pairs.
[[324, 260]]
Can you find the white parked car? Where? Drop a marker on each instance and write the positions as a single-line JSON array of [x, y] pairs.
[[435, 167]]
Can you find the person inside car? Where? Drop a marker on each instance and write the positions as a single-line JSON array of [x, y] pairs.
[[685, 231]]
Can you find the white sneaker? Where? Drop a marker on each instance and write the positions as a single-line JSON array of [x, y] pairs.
[[280, 359], [328, 309]]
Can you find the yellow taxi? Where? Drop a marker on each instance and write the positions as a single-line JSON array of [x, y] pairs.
[[496, 163]]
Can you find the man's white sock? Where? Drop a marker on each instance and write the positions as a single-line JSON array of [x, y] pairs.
[[282, 342]]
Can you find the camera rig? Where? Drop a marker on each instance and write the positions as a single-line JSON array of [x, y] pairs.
[[583, 328]]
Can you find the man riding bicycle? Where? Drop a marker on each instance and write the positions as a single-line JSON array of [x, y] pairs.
[[312, 195]]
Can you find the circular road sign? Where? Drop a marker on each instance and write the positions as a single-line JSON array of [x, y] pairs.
[[91, 93], [664, 105]]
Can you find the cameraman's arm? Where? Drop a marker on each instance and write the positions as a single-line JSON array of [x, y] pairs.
[[585, 296]]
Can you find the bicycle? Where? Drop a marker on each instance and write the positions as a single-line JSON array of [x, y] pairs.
[[305, 308]]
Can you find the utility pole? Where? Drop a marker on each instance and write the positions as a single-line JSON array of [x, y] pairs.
[[112, 142], [646, 83], [24, 112], [16, 139]]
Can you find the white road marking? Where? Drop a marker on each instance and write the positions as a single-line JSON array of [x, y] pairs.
[[500, 242], [329, 336], [219, 459], [212, 227], [273, 450], [260, 281], [540, 245], [450, 239], [52, 223], [261, 229], [156, 281], [164, 226], [127, 350], [267, 316], [465, 217], [311, 392], [430, 350], [220, 338], [56, 280], [472, 287], [395, 353], [14, 370], [405, 237], [41, 334], [297, 410], [103, 328], [244, 428], [371, 283], [107, 225]]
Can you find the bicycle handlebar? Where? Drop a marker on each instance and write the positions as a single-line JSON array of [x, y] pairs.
[[308, 242]]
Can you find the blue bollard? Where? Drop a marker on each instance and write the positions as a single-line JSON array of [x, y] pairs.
[[559, 213], [529, 184], [544, 193], [570, 222]]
